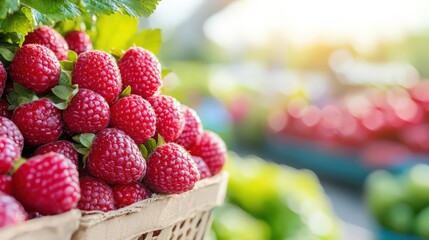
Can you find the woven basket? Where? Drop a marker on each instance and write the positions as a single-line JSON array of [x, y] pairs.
[[61, 226], [162, 217]]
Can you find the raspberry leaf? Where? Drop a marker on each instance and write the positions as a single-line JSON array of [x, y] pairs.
[[6, 54], [72, 56], [55, 10], [85, 139], [126, 92], [149, 39], [62, 95], [65, 78], [8, 6], [20, 95], [143, 150]]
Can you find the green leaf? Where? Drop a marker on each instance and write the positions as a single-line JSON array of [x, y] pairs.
[[8, 6], [67, 65], [20, 96], [81, 149], [19, 22], [61, 105], [6, 54], [55, 10], [63, 92], [165, 72], [65, 78], [150, 145], [39, 18], [160, 141], [72, 56], [105, 7], [149, 39], [139, 8], [126, 92], [86, 139], [143, 151], [108, 37]]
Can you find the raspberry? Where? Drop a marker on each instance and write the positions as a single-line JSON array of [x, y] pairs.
[[96, 195], [35, 67], [6, 184], [170, 169], [135, 116], [141, 70], [39, 121], [10, 130], [88, 112], [3, 78], [126, 195], [202, 167], [47, 183], [193, 128], [78, 41], [49, 38], [9, 152], [64, 147], [115, 158], [11, 211], [4, 112], [169, 117], [98, 71], [211, 148]]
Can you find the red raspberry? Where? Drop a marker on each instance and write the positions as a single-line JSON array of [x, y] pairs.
[[88, 112], [135, 116], [169, 117], [211, 148], [39, 121], [170, 169], [3, 78], [10, 130], [141, 70], [62, 146], [49, 38], [9, 152], [98, 71], [6, 184], [47, 183], [115, 158], [11, 211], [96, 195], [35, 67], [126, 195], [78, 41], [4, 112], [202, 167], [193, 128]]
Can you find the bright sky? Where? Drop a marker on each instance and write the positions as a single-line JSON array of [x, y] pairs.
[[255, 22]]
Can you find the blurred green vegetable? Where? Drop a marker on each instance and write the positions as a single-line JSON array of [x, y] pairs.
[[291, 202]]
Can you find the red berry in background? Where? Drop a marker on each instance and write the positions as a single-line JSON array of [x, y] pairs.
[[88, 112], [35, 67], [6, 184], [62, 146], [96, 195], [169, 117], [9, 152], [211, 148], [193, 128], [47, 183], [3, 78], [98, 71], [135, 116], [78, 41], [49, 38], [10, 130], [4, 112], [202, 167], [126, 195], [171, 169], [11, 211], [115, 158], [39, 121], [141, 70]]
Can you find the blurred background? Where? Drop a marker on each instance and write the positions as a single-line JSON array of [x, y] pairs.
[[323, 104]]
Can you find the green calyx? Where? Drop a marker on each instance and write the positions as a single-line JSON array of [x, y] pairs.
[[20, 95], [150, 145], [18, 162], [83, 144], [125, 92]]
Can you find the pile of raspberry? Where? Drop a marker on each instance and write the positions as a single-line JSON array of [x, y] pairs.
[[114, 141]]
